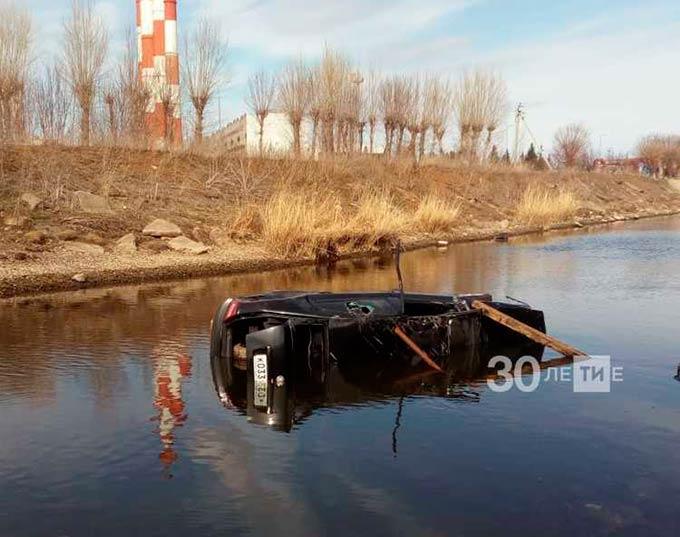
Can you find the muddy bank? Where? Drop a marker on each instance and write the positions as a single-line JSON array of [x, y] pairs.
[[54, 271]]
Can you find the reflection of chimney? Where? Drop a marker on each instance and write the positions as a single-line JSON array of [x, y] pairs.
[[159, 68], [170, 369]]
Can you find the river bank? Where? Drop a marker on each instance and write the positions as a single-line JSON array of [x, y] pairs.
[[52, 241], [55, 271]]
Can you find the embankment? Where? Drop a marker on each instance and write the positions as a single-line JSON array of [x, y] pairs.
[[64, 211]]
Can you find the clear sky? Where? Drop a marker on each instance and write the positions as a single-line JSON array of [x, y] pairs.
[[612, 64]]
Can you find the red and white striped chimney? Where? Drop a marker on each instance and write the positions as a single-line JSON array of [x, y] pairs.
[[159, 67]]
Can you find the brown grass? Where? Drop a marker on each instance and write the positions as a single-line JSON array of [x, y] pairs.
[[539, 205], [295, 224], [378, 215], [436, 214]]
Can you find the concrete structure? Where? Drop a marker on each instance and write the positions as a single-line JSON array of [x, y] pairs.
[[159, 67], [243, 135]]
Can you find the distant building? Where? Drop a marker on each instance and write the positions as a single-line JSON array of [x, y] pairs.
[[620, 165], [242, 135]]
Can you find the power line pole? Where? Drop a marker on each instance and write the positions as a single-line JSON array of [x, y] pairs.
[[519, 116]]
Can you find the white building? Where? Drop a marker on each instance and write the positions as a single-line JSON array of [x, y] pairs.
[[243, 135]]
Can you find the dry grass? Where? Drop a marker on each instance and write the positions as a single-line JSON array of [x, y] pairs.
[[295, 224], [540, 205], [308, 224], [378, 216], [436, 214]]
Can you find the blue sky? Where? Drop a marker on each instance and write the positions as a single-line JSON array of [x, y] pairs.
[[612, 64]]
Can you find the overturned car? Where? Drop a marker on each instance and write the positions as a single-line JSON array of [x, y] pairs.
[[265, 342]]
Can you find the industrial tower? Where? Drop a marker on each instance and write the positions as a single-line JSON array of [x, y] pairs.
[[159, 68]]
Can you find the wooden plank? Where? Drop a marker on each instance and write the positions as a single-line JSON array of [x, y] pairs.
[[415, 348], [526, 330]]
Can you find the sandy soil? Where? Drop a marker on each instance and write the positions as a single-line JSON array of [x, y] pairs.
[[54, 270]]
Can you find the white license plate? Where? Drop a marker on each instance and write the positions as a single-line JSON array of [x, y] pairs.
[[261, 380]]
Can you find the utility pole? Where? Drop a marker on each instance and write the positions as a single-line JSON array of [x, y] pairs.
[[519, 116]]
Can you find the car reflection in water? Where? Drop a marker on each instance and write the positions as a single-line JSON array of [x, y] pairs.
[[309, 385]]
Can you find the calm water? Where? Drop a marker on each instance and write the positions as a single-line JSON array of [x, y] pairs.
[[110, 425]]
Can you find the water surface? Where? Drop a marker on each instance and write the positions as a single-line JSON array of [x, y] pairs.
[[110, 424]]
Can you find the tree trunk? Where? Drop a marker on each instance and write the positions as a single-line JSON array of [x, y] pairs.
[[389, 130], [85, 125], [422, 143], [315, 130], [400, 139], [198, 130], [371, 136], [296, 137], [261, 141]]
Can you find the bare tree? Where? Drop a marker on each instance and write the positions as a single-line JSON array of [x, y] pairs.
[[372, 103], [333, 77], [661, 153], [133, 96], [387, 106], [496, 107], [168, 98], [111, 101], [15, 48], [359, 110], [480, 104], [415, 116], [315, 106], [349, 112], [85, 47], [261, 91], [52, 105], [571, 145], [403, 100], [442, 104], [204, 56], [294, 98]]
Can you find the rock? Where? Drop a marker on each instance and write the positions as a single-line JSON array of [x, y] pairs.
[[442, 244], [184, 244], [155, 246], [84, 248], [36, 236], [198, 235], [93, 238], [127, 244], [15, 221], [80, 278], [504, 224], [66, 235], [220, 237], [501, 237], [31, 200], [91, 203], [162, 228]]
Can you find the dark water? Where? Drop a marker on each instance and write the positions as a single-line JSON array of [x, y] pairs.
[[110, 425]]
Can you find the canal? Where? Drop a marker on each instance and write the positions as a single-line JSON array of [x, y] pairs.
[[110, 423]]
